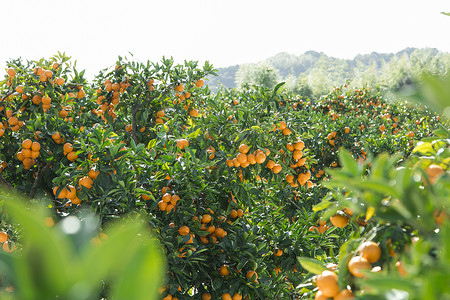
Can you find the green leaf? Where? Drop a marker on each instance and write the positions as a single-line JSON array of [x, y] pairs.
[[321, 206], [194, 135], [387, 283], [311, 265], [349, 164]]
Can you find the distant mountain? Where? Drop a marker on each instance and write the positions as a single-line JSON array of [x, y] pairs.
[[311, 63]]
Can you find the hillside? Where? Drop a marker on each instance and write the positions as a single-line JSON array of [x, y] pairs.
[[311, 67]]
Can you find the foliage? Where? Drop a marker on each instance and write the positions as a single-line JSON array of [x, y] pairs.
[[232, 183], [72, 259]]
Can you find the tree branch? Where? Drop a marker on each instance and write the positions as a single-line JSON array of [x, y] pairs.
[[39, 175]]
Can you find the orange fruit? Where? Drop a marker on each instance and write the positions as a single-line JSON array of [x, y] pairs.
[[370, 251], [226, 296], [320, 296], [233, 214], [434, 172], [72, 156], [339, 220], [35, 146], [20, 89], [60, 81], [166, 197], [278, 252], [206, 296], [13, 121], [411, 134], [219, 232], [56, 136], [237, 296], [344, 295], [26, 144], [162, 205], [86, 181], [357, 264], [67, 148], [9, 246], [174, 199], [11, 72], [327, 283], [260, 157], [240, 213], [179, 88], [199, 83], [276, 168], [3, 237], [26, 153], [244, 148], [224, 270], [347, 129], [270, 164], [193, 113], [252, 274], [282, 125], [400, 268], [287, 131], [206, 218], [71, 192], [299, 145], [93, 174], [184, 230]]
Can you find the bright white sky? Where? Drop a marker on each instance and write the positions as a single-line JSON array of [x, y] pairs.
[[225, 32]]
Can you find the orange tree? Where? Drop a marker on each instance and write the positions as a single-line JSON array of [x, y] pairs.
[[229, 181]]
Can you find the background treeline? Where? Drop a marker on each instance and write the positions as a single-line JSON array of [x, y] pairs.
[[313, 74]]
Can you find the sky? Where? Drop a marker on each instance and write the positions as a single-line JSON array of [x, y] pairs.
[[224, 32]]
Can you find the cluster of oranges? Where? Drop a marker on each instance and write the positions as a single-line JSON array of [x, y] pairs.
[[167, 202], [68, 150], [30, 151], [13, 122], [327, 282], [243, 159], [109, 97]]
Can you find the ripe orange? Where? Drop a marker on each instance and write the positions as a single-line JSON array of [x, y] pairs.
[[434, 172], [320, 296], [287, 131], [11, 72], [411, 134], [344, 295], [67, 148], [20, 89], [72, 156], [226, 296], [3, 237], [243, 148], [282, 125], [327, 283], [224, 270], [357, 264], [162, 205], [278, 252], [206, 296], [219, 232], [206, 218], [270, 164], [339, 220], [26, 144], [370, 251], [193, 113], [400, 268], [199, 83], [166, 197], [237, 296], [252, 274], [260, 157], [174, 199], [233, 214], [179, 88], [86, 181], [184, 230], [71, 192], [299, 145], [276, 168], [93, 174]]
